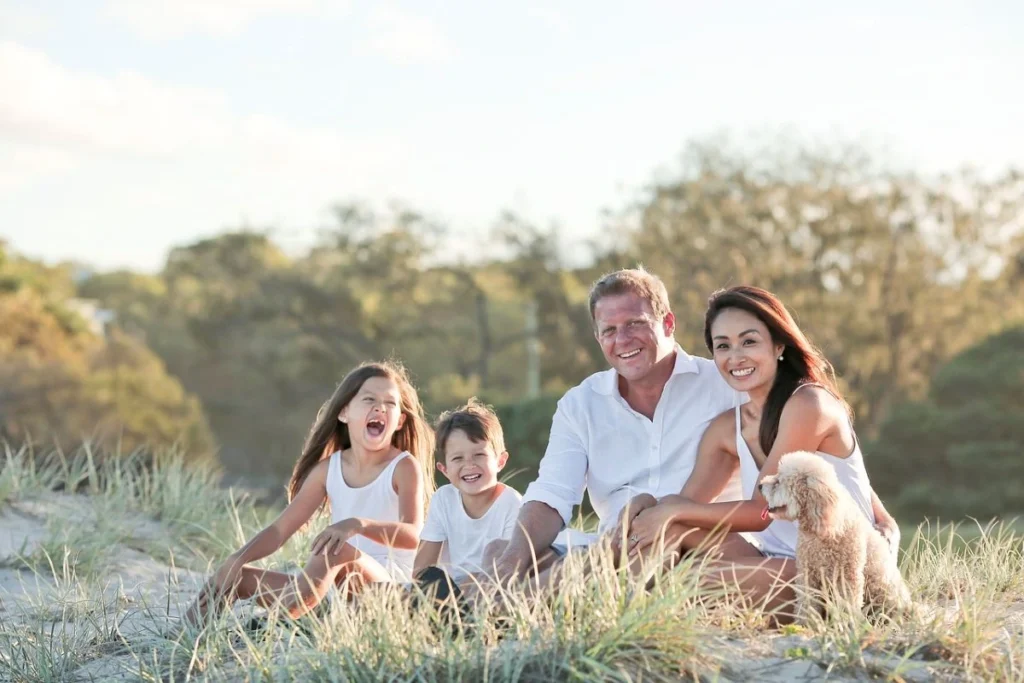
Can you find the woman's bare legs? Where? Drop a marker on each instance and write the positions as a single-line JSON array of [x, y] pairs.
[[731, 562], [765, 582]]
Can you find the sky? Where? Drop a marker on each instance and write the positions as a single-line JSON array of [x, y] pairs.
[[128, 127]]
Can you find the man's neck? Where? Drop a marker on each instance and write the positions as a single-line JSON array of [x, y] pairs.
[[643, 395]]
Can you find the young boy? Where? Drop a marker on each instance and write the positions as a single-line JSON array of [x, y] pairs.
[[475, 515]]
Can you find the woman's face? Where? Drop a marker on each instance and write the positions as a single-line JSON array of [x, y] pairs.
[[744, 351]]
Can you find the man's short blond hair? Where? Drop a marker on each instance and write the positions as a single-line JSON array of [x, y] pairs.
[[631, 281]]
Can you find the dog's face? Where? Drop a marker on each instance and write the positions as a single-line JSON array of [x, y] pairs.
[[803, 490]]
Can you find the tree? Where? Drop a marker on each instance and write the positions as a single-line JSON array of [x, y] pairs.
[[958, 452], [888, 273], [61, 384]]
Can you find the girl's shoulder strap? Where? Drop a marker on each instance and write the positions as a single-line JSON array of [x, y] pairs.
[[397, 459], [333, 469], [393, 466]]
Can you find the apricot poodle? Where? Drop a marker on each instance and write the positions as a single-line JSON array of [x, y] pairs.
[[839, 554]]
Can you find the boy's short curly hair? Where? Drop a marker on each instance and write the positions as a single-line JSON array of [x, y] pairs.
[[477, 420]]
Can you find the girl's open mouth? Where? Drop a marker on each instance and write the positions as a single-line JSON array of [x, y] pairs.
[[375, 427]]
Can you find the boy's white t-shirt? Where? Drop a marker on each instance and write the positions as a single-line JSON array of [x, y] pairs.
[[467, 537]]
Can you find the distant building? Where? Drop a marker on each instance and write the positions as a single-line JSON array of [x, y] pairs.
[[95, 317]]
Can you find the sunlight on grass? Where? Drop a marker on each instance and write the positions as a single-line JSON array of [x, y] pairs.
[[72, 611]]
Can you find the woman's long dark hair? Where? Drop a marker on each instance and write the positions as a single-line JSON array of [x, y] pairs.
[[328, 434], [802, 362]]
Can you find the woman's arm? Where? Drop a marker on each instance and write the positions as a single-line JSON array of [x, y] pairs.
[[717, 460], [885, 523], [716, 463], [403, 534], [803, 426]]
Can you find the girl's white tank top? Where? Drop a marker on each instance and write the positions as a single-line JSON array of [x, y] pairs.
[[377, 500], [779, 538]]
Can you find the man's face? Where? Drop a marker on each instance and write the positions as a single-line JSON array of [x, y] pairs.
[[632, 339]]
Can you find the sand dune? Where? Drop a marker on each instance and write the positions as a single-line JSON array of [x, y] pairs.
[[89, 590]]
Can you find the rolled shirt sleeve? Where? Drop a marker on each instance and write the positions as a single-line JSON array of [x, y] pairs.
[[562, 474]]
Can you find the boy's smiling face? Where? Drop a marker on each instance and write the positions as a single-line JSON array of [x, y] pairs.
[[471, 466]]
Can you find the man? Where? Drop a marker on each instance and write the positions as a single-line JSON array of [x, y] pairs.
[[629, 430]]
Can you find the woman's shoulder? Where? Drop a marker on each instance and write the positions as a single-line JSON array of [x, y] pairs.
[[724, 420], [813, 402], [722, 428]]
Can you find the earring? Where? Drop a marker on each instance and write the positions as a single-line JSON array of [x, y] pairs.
[[780, 357]]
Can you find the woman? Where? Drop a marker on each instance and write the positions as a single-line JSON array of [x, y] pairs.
[[794, 406]]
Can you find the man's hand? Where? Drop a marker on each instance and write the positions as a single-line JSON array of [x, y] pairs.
[[632, 509], [331, 540]]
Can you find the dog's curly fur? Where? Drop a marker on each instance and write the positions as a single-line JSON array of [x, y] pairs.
[[839, 554]]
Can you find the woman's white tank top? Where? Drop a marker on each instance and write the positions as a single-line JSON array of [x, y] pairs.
[[377, 500], [779, 537]]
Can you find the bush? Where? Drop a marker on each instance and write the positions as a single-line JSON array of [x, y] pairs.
[[958, 453], [527, 426]]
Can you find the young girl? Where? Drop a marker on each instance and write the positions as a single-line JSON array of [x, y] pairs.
[[370, 455]]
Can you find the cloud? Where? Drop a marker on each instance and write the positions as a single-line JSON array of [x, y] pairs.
[[166, 19], [22, 21], [549, 17], [25, 164], [405, 38], [71, 117], [126, 114]]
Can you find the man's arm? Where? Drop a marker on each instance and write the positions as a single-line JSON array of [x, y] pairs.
[[549, 501], [536, 528]]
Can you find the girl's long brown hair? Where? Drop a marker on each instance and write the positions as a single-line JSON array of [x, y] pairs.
[[329, 435], [802, 362]]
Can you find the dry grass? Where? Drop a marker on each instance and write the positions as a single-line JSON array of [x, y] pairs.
[[73, 613]]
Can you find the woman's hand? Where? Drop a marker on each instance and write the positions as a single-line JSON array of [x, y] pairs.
[[331, 540], [890, 531], [632, 509], [650, 525]]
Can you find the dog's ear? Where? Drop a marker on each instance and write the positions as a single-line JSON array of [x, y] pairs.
[[818, 503]]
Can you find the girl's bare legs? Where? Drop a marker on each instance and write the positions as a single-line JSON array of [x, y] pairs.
[[295, 593]]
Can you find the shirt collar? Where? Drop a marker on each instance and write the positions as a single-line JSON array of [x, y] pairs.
[[685, 363]]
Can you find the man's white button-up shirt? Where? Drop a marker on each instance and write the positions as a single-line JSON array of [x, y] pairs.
[[600, 443]]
